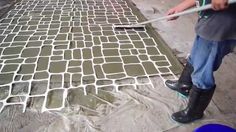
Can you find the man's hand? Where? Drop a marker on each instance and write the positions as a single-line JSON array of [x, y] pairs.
[[219, 4], [173, 11], [185, 4]]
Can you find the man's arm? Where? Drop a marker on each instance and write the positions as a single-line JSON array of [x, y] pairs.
[[219, 4], [181, 7]]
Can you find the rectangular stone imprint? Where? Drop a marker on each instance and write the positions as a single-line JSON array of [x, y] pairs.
[[113, 68], [6, 78], [55, 99], [12, 50], [134, 70], [26, 69], [87, 67], [150, 68], [30, 52], [9, 68], [57, 67]]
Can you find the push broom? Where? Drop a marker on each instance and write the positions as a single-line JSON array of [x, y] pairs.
[[186, 12]]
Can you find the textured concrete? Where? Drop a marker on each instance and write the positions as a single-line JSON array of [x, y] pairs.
[[64, 58], [62, 43]]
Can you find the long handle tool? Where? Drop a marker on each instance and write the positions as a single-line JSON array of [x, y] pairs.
[[186, 12]]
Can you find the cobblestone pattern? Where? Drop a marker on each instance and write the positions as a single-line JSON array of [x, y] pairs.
[[50, 47]]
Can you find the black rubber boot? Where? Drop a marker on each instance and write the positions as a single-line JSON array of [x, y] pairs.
[[198, 102], [184, 84]]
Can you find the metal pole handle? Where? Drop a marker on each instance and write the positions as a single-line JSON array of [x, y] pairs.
[[189, 11]]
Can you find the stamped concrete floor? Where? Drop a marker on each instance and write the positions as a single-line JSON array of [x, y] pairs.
[[65, 68], [51, 49]]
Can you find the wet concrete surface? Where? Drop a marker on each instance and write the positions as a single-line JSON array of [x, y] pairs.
[[5, 6], [60, 55], [48, 57], [84, 85]]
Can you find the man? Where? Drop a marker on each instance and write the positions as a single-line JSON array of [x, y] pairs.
[[216, 36]]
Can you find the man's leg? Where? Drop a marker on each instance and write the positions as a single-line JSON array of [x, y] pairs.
[[184, 84], [206, 57]]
